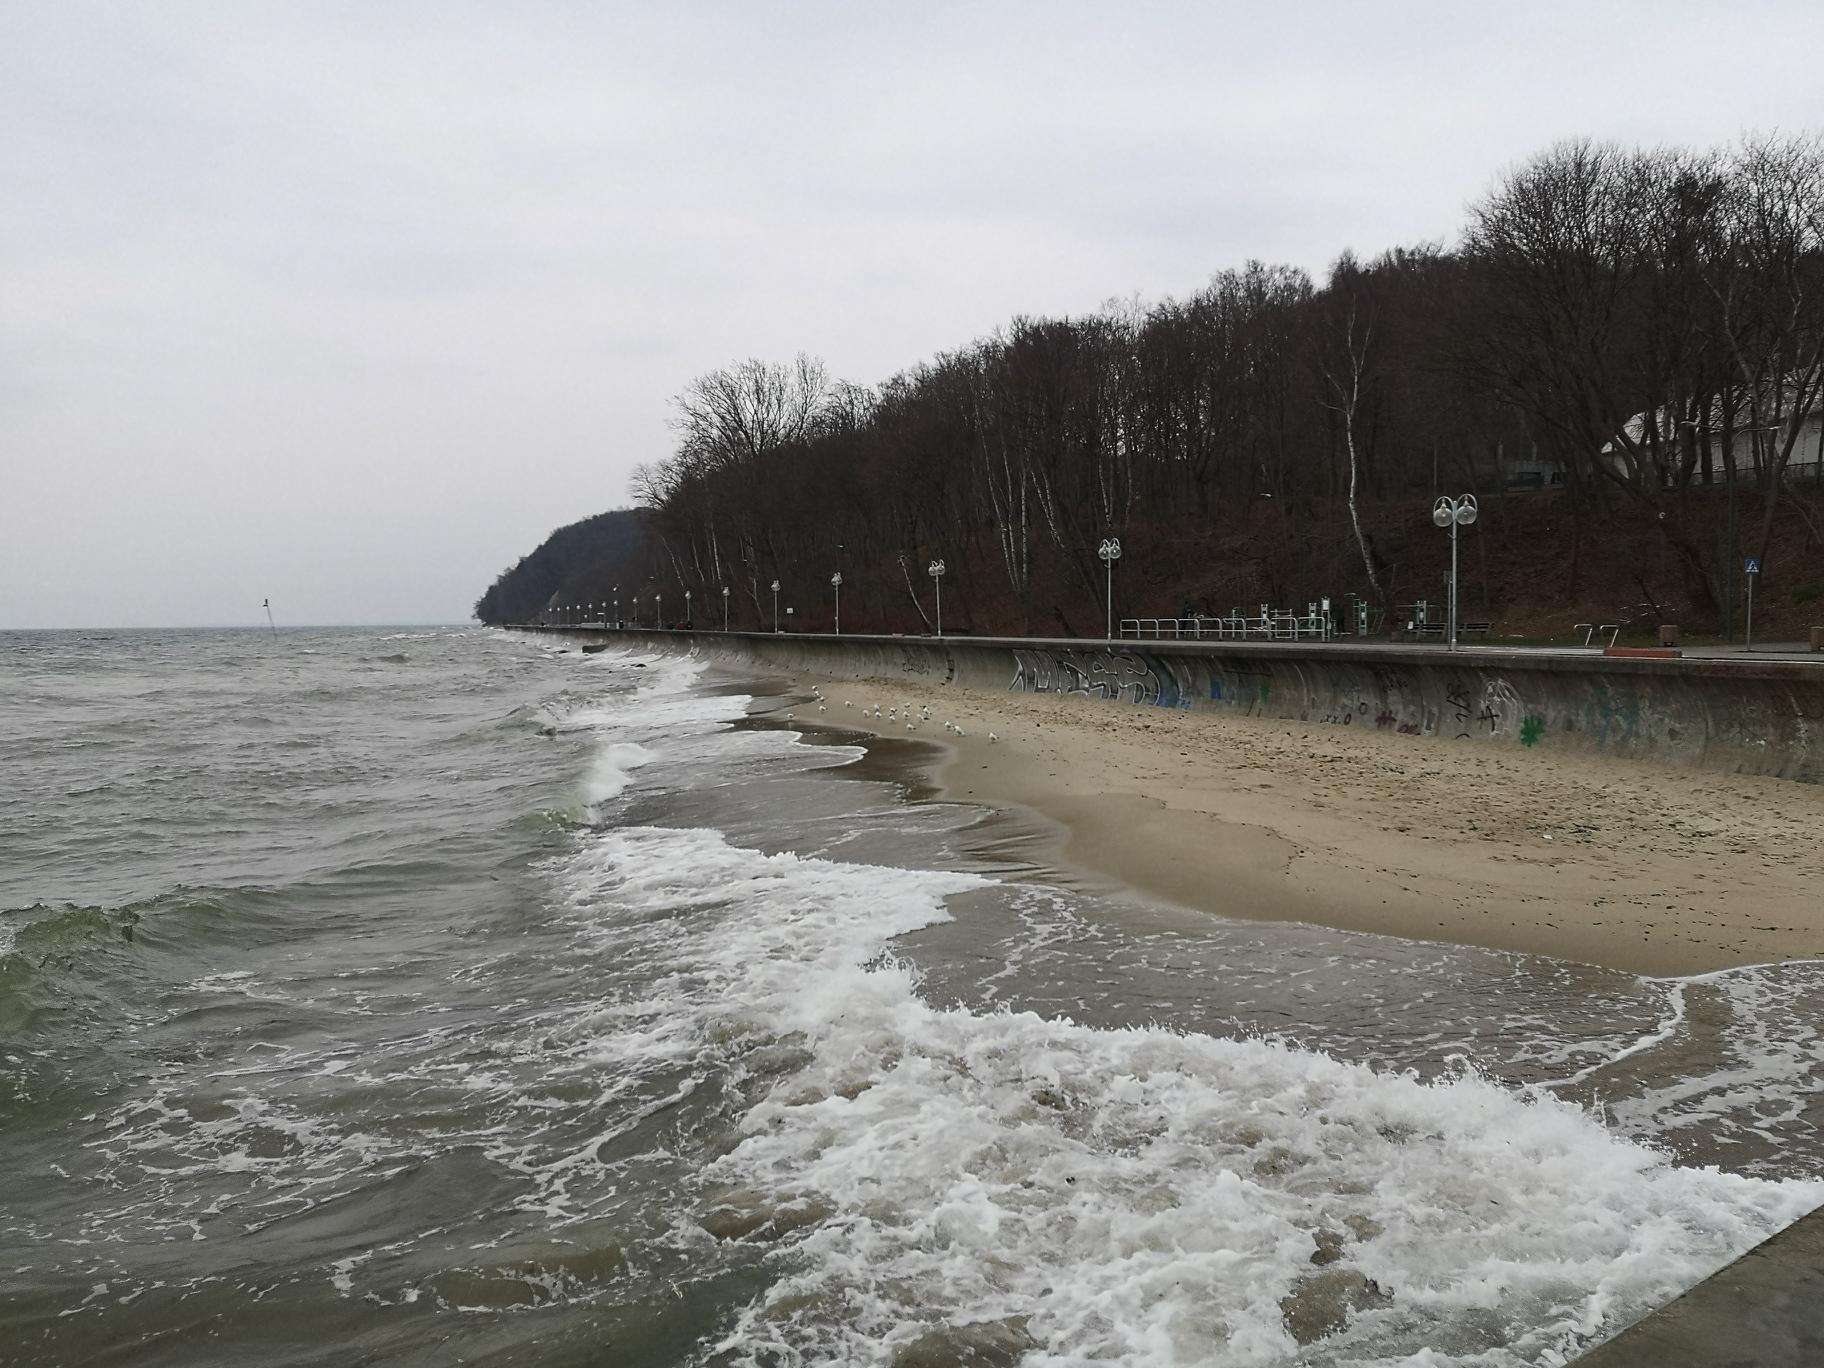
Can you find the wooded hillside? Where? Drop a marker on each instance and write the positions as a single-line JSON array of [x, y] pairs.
[[1623, 356]]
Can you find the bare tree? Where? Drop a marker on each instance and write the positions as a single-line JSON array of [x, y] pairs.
[[1344, 358]]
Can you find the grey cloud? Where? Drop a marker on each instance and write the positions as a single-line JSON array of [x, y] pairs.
[[349, 304]]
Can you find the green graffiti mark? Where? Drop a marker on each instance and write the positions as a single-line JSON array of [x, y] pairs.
[[1531, 729], [1266, 692]]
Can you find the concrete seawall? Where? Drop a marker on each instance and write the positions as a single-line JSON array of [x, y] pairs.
[[1743, 716]]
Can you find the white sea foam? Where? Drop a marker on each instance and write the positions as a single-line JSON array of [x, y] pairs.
[[649, 707], [608, 772], [1766, 1067], [1126, 1196]]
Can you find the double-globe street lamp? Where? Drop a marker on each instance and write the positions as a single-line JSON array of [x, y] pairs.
[[937, 582], [725, 608], [836, 584], [1110, 552], [775, 607], [1453, 513]]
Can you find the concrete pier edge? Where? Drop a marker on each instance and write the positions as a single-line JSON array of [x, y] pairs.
[[1765, 1310]]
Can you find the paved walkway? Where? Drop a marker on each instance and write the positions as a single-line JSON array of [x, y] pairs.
[[1801, 649]]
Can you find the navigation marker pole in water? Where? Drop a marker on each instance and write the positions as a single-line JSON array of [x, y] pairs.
[[266, 603]]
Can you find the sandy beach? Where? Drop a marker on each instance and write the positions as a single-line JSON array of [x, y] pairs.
[[1637, 867]]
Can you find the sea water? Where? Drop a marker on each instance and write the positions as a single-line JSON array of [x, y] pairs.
[[435, 996]]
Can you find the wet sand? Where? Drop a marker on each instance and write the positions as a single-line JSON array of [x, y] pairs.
[[1642, 868]]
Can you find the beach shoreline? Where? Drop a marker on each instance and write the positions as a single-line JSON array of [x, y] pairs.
[[1624, 864]]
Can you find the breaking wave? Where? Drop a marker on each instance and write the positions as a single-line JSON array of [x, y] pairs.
[[1132, 1196]]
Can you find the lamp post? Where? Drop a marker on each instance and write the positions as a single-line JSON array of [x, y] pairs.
[[775, 607], [1453, 513], [725, 608], [1110, 552], [836, 584], [617, 605], [658, 603], [1751, 572], [687, 621], [937, 582]]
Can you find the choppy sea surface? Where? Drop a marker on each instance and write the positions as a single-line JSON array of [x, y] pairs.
[[446, 996]]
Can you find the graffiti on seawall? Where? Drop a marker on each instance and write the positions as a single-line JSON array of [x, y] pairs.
[[1125, 675], [1461, 705]]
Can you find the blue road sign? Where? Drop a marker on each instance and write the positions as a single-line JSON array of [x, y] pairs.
[[1751, 567]]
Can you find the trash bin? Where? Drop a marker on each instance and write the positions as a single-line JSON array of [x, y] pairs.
[[1668, 634], [1817, 638]]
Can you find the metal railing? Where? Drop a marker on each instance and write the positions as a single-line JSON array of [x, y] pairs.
[[1270, 624]]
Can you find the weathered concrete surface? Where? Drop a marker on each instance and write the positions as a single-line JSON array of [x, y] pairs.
[[1766, 1310], [1745, 716]]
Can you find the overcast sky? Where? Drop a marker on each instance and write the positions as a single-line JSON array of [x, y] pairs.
[[349, 304]]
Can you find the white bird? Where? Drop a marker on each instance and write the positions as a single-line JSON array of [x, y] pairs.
[[961, 732], [821, 708], [992, 738], [908, 726]]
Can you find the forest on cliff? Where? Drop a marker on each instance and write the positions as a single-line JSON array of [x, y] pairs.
[[1622, 355]]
